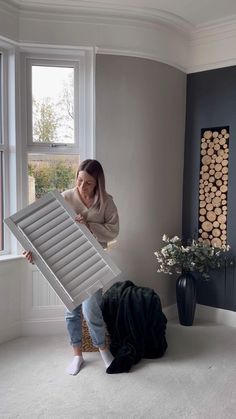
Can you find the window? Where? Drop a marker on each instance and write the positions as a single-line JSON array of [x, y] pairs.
[[52, 99], [46, 113], [55, 123], [49, 172], [3, 152]]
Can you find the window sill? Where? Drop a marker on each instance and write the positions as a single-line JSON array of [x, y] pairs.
[[7, 258]]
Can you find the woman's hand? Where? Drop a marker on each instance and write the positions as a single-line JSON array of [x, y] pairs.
[[80, 219], [28, 255]]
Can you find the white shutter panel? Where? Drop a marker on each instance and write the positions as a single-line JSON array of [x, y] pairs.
[[66, 252]]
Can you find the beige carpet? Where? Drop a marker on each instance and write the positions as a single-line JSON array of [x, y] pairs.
[[196, 379]]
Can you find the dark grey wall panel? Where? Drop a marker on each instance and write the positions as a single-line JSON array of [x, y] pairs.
[[211, 102]]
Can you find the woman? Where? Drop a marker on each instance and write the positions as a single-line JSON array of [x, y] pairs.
[[96, 209]]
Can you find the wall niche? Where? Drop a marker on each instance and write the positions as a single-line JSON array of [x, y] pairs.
[[213, 186]]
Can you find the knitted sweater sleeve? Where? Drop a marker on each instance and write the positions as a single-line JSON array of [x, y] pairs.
[[107, 231]]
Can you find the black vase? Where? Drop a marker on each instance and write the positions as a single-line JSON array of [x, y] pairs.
[[186, 298]]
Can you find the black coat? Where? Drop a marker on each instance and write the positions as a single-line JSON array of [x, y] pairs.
[[136, 325]]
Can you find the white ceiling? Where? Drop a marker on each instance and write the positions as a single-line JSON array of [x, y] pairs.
[[192, 13]]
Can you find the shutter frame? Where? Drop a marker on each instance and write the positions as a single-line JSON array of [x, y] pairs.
[[70, 295]]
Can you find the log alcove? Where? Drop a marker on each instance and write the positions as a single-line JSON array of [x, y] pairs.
[[213, 186]]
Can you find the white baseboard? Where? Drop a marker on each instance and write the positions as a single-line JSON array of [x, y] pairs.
[[206, 314], [216, 315], [57, 325], [10, 332], [43, 327]]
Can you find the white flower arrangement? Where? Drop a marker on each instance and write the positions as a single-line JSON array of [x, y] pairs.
[[198, 256]]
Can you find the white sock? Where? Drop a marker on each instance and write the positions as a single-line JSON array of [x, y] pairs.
[[75, 365], [106, 356]]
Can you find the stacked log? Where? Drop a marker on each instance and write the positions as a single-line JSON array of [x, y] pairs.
[[213, 187]]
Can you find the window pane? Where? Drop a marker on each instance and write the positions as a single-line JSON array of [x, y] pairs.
[[48, 172], [53, 104], [1, 202]]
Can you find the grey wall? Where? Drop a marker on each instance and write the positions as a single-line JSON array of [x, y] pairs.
[[211, 102], [9, 23], [140, 123]]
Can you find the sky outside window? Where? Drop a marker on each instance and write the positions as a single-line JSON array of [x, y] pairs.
[[53, 104]]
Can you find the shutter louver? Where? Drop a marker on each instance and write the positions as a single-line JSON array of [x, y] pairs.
[[66, 252]]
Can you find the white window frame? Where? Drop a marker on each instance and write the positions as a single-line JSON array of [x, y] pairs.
[[78, 122], [14, 121], [83, 62], [4, 145], [11, 142]]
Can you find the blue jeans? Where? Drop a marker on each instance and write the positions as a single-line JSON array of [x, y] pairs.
[[92, 313]]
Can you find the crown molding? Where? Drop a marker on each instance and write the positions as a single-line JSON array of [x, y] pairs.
[[79, 50], [213, 65], [213, 46], [216, 24], [162, 36], [215, 31], [101, 19], [142, 54], [8, 43], [97, 10]]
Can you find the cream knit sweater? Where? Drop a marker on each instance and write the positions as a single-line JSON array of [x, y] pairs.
[[103, 223]]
